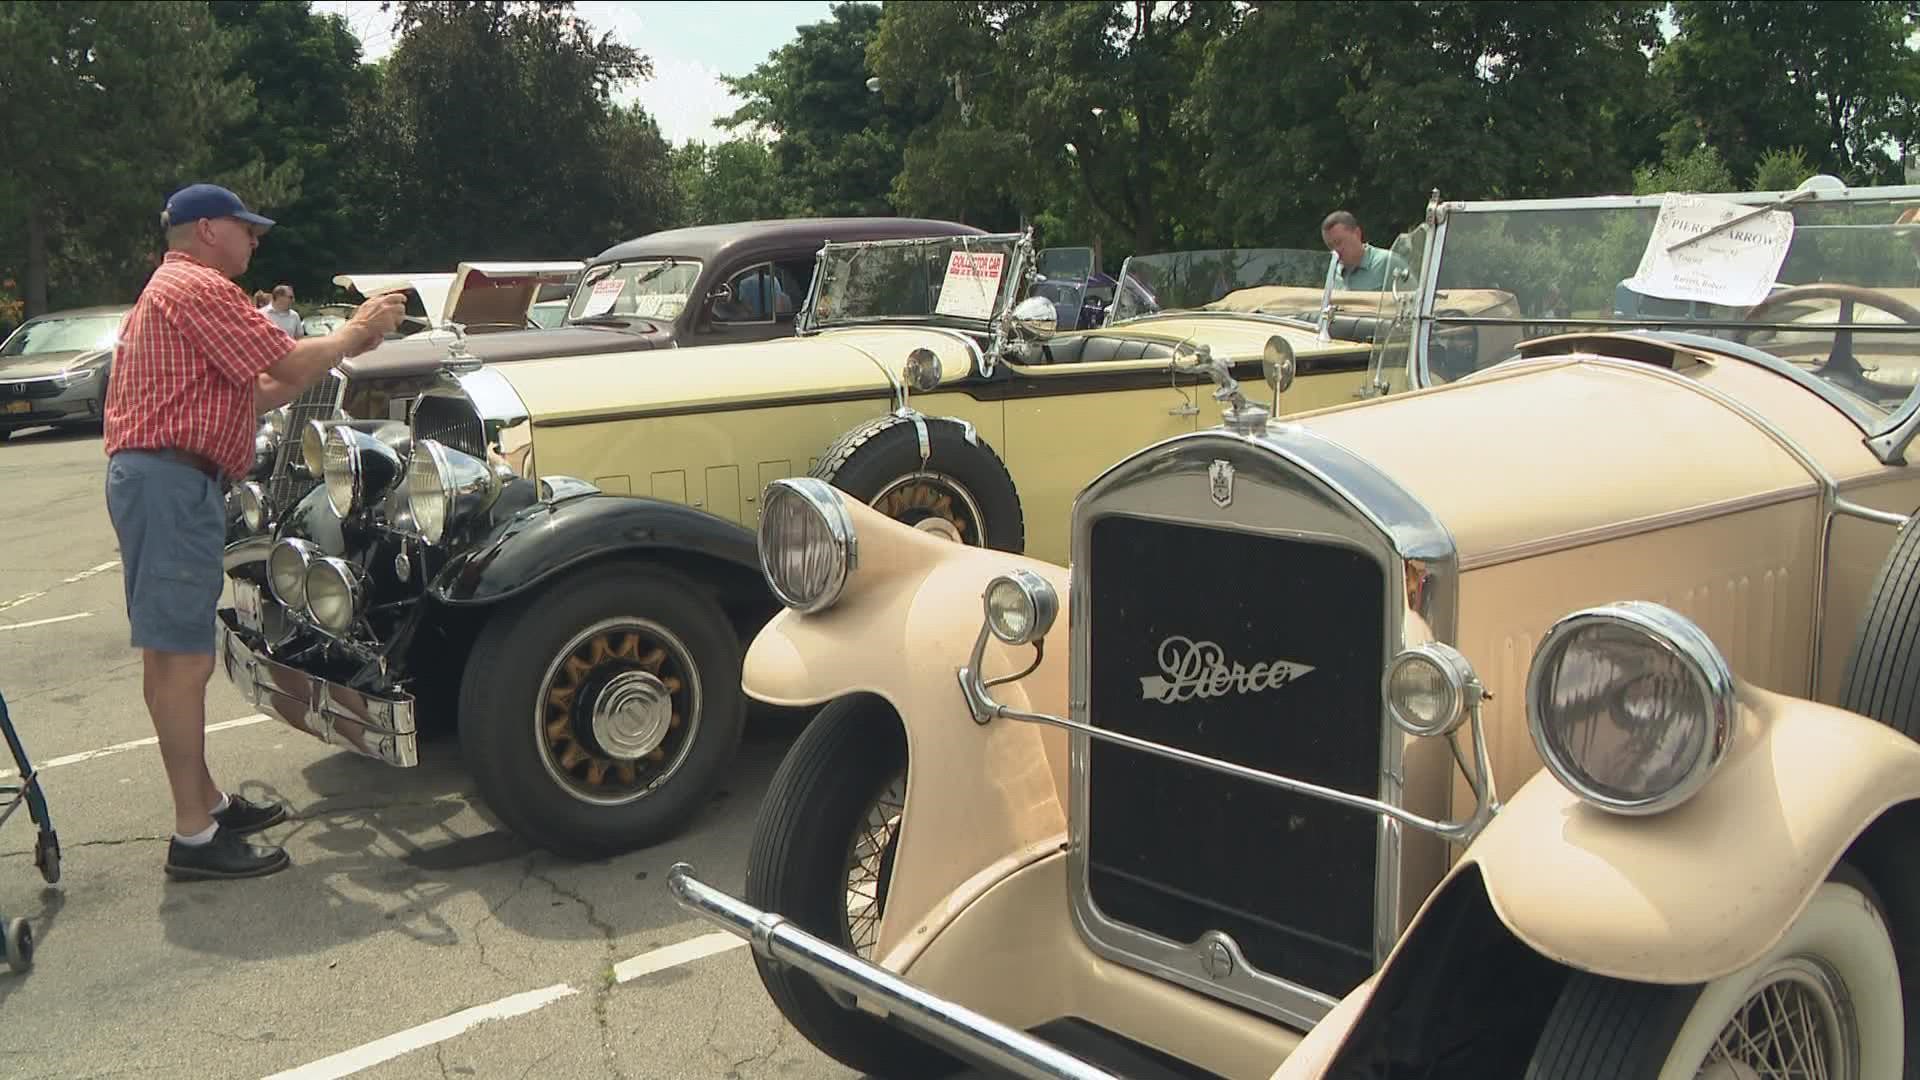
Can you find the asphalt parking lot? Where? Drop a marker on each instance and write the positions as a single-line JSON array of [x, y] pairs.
[[412, 938]]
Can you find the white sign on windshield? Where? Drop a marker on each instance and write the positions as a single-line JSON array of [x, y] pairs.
[[605, 292], [1735, 267], [972, 283]]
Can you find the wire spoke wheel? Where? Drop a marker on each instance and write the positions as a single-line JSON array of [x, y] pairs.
[[1796, 1024], [869, 865], [617, 710], [933, 502]]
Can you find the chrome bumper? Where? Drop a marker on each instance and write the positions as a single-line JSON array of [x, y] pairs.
[[377, 726], [943, 1023]]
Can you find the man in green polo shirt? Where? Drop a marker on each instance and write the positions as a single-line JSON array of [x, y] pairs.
[[1355, 264]]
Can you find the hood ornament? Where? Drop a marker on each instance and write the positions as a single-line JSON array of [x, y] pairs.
[[1241, 416], [458, 358]]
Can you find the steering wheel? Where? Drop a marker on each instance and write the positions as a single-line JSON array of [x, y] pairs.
[[1842, 366]]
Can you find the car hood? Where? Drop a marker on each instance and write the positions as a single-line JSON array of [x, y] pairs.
[[40, 365], [611, 386], [422, 355]]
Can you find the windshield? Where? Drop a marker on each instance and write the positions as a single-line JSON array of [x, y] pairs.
[[1843, 262], [969, 279], [1271, 281], [46, 335], [643, 288]]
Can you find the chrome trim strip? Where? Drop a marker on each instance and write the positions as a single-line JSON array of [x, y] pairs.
[[1898, 521], [1326, 494], [1009, 1050]]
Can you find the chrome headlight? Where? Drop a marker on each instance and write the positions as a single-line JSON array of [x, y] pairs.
[[357, 469], [445, 486], [252, 503], [807, 545], [336, 594], [1021, 606], [313, 439], [1429, 689], [1630, 705], [287, 566]]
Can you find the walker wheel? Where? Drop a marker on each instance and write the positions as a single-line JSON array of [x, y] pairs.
[[19, 945], [46, 855]]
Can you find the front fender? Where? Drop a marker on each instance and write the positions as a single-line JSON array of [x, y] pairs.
[[548, 538], [1705, 889]]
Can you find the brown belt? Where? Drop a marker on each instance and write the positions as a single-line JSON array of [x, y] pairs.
[[188, 457]]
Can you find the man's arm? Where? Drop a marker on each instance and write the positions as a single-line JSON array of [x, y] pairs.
[[311, 357]]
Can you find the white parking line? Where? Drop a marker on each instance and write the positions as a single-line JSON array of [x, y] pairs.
[[81, 576], [348, 1062], [45, 622], [352, 1061], [135, 744]]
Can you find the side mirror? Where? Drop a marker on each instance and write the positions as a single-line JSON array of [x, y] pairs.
[[922, 371], [1277, 365], [1036, 316], [720, 292]]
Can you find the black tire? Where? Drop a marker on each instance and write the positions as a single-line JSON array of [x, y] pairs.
[[797, 867], [508, 714], [1883, 671], [868, 461], [1612, 1029]]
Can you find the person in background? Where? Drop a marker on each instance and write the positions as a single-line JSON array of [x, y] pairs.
[[195, 367], [280, 310], [262, 298], [1355, 264]]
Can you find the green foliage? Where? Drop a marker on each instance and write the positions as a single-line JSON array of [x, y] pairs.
[[1840, 80], [838, 146], [1781, 169], [1700, 169], [732, 181], [105, 108]]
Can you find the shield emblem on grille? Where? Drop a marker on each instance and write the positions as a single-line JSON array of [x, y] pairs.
[[1220, 476]]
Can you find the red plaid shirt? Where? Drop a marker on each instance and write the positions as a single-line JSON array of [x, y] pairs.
[[183, 374]]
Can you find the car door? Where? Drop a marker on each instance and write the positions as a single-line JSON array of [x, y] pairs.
[[757, 302], [1066, 423]]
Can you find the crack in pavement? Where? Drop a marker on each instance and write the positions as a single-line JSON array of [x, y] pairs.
[[66, 847], [94, 676], [603, 986], [493, 912]]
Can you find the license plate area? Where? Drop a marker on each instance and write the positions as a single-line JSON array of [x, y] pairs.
[[246, 605], [17, 407]]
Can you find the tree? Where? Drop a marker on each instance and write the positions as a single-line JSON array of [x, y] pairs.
[[837, 146], [1479, 100], [306, 74], [1838, 80], [493, 135], [731, 181], [1698, 170], [105, 108], [1015, 84]]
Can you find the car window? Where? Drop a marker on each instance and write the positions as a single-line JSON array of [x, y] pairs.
[[55, 334], [753, 297]]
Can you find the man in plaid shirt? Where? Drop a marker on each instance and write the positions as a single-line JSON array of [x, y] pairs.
[[196, 365]]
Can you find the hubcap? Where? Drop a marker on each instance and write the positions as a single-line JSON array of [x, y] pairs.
[[632, 715], [936, 503], [1796, 1023], [618, 710]]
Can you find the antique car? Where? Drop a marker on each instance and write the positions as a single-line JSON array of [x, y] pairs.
[[382, 384], [54, 368], [1555, 719], [557, 556]]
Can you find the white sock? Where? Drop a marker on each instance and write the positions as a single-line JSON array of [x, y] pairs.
[[203, 836], [224, 802]]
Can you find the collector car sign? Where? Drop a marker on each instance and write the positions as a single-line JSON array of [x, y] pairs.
[[972, 283], [605, 292], [1735, 267]]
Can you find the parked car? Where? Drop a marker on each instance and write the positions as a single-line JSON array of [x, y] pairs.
[[382, 384], [1553, 719], [560, 552], [54, 368]]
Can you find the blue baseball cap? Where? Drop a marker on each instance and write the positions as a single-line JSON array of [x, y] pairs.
[[196, 201]]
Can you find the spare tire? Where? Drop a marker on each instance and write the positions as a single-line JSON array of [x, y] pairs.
[[959, 489], [1883, 671]]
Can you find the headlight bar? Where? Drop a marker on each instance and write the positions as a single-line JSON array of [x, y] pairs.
[[985, 709]]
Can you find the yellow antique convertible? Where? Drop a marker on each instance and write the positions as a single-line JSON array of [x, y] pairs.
[[557, 554], [1554, 719]]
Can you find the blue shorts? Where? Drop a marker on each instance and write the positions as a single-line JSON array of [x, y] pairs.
[[172, 530]]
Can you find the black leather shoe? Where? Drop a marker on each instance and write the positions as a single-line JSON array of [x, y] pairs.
[[224, 856], [242, 817]]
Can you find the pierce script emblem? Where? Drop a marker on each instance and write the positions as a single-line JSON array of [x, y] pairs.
[[1220, 475], [1199, 669]]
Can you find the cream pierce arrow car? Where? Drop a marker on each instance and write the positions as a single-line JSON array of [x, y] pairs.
[[555, 556], [1554, 719]]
